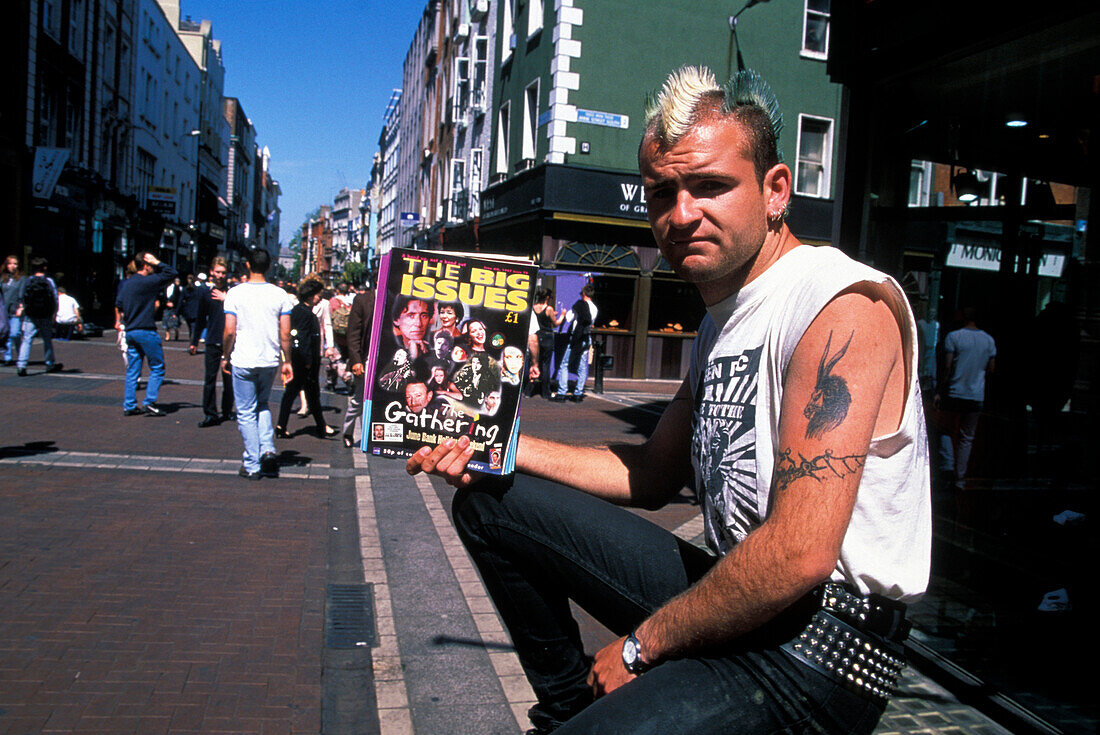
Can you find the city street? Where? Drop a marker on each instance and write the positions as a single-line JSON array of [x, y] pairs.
[[146, 588]]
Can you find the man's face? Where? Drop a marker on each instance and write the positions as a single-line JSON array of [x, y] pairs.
[[447, 316], [416, 397], [413, 321], [707, 211], [217, 274], [492, 402]]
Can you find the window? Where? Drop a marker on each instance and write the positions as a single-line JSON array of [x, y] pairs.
[[76, 28], [481, 69], [530, 119], [475, 181], [72, 125], [920, 183], [461, 89], [502, 138], [507, 33], [815, 143], [51, 18], [815, 29], [458, 190], [534, 17], [47, 118], [146, 167]]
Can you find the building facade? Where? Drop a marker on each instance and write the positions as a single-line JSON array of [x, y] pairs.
[[384, 179], [564, 187]]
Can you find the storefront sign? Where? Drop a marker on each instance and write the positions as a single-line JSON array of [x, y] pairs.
[[409, 220], [567, 189], [162, 200], [988, 258]]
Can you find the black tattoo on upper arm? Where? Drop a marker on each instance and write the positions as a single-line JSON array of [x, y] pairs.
[[787, 469], [829, 403]]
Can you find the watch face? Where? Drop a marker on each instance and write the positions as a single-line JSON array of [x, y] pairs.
[[630, 652]]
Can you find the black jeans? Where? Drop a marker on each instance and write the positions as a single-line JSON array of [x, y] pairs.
[[539, 544], [305, 378], [212, 357]]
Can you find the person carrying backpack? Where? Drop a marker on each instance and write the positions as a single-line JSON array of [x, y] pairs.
[[38, 308]]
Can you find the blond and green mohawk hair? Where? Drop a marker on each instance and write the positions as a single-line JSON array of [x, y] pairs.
[[691, 93]]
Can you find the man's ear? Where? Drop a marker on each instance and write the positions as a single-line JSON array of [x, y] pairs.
[[777, 189]]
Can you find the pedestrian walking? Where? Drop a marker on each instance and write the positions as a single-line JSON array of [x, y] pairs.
[[135, 311], [584, 316], [172, 295], [11, 287], [305, 359], [38, 309], [255, 342], [547, 321], [969, 356], [210, 319], [360, 323], [189, 305]]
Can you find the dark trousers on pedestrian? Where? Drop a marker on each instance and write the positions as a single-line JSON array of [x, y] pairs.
[[538, 544], [305, 378], [962, 417], [212, 357]]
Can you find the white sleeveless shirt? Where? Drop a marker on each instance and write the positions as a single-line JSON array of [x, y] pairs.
[[737, 368]]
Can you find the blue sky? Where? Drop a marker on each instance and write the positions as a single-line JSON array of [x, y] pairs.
[[314, 77]]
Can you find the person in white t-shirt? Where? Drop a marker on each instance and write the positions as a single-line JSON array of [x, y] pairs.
[[255, 343], [801, 425], [69, 320]]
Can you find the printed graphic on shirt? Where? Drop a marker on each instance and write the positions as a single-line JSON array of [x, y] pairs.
[[724, 445]]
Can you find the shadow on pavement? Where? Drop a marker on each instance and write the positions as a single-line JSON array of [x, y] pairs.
[[28, 450]]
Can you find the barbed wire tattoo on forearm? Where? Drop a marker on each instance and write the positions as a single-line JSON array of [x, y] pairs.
[[820, 468]]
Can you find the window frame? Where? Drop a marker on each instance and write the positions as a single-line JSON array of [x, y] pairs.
[[530, 146], [826, 156], [809, 53], [504, 119]]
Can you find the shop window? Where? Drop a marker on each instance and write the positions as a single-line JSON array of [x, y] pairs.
[[614, 302], [815, 29], [815, 143], [675, 307]]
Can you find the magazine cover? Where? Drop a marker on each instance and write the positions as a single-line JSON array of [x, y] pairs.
[[447, 354]]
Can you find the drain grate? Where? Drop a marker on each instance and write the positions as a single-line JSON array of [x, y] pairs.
[[349, 616]]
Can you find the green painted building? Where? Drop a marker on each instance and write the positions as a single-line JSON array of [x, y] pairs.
[[570, 85]]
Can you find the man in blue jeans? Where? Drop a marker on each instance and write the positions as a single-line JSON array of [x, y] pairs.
[[800, 423], [136, 309], [584, 315], [37, 308], [255, 342]]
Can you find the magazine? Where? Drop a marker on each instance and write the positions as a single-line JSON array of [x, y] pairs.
[[447, 354]]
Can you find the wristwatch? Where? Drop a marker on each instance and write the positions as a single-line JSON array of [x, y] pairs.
[[632, 656]]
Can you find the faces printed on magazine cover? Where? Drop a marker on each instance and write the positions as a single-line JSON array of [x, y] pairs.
[[437, 359]]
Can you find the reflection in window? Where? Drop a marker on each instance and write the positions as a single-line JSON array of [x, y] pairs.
[[814, 154], [815, 29]]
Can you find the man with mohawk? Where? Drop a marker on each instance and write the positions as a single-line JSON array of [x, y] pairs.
[[800, 423]]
